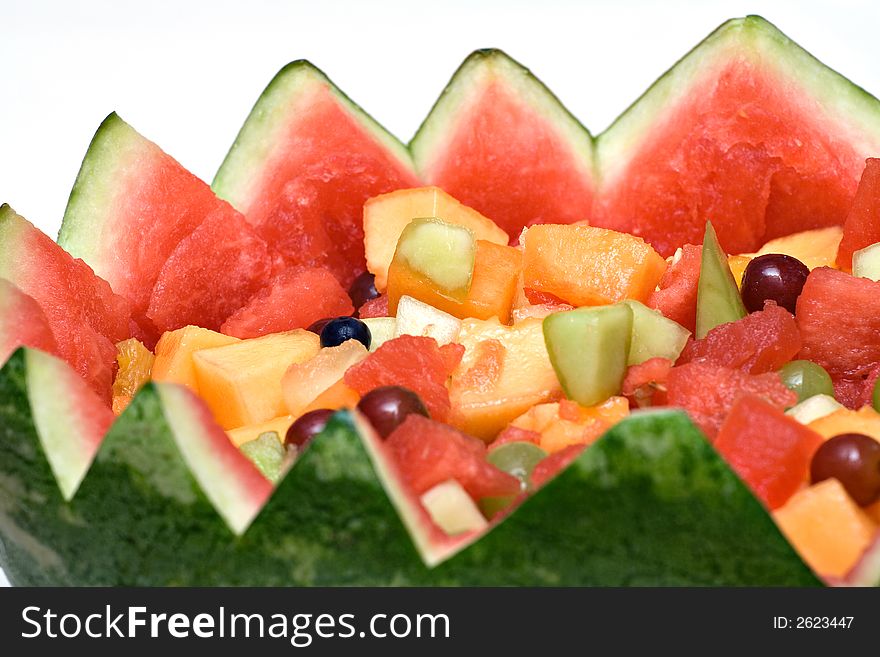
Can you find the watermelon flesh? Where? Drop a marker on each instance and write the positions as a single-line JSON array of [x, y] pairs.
[[768, 449], [500, 142], [839, 320], [760, 342], [708, 392], [676, 294], [747, 129], [86, 318], [862, 227], [22, 323], [302, 167], [211, 273], [130, 207], [295, 299]]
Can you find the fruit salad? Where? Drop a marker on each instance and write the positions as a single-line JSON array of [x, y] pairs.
[[655, 359]]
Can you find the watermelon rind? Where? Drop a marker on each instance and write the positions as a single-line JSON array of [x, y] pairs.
[[111, 158], [480, 68], [831, 95], [650, 503], [273, 113]]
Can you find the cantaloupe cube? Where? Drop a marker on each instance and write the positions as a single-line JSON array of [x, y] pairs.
[[241, 382], [386, 216], [336, 397], [826, 527], [587, 266], [814, 248], [738, 264], [279, 425], [174, 352], [865, 420], [302, 383], [505, 371], [566, 423], [493, 285]]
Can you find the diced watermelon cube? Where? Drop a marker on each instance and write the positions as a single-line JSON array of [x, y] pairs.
[[839, 320], [770, 451], [429, 452], [645, 383], [676, 296], [414, 362], [760, 342], [294, 299], [377, 307], [708, 392]]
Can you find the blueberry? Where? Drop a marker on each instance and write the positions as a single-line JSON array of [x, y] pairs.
[[318, 326], [340, 329]]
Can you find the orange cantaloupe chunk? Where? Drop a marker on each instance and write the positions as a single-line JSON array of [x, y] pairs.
[[241, 382], [566, 423], [814, 248], [865, 420], [304, 382], [826, 526], [587, 266], [505, 371], [173, 362], [279, 425], [336, 397], [738, 264], [493, 285], [386, 215]]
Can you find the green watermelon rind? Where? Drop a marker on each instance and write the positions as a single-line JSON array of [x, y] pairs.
[[750, 35], [432, 134], [273, 111], [650, 503], [110, 156]]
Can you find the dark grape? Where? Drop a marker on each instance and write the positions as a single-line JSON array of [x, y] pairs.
[[363, 289], [307, 427], [341, 329], [775, 277], [854, 460], [387, 407], [318, 326]]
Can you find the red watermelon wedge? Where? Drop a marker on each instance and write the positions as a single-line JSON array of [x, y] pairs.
[[748, 129], [304, 163], [499, 141], [84, 315], [22, 323], [130, 207]]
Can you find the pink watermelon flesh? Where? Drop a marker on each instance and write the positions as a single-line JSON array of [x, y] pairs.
[[131, 206], [742, 148], [294, 299], [85, 316], [211, 273], [862, 227], [308, 202], [22, 323], [507, 162]]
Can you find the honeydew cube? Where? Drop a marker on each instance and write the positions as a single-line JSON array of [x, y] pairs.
[[866, 262], [241, 382], [174, 351], [382, 329], [416, 317], [452, 509]]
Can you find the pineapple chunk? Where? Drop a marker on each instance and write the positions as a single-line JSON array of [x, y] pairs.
[[452, 509], [174, 352], [241, 382], [304, 382], [415, 317]]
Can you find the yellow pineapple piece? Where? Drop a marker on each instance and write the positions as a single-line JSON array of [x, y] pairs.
[[304, 382], [174, 352], [279, 425], [241, 382], [135, 362]]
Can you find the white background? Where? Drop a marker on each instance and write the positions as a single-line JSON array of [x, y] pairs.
[[185, 74]]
